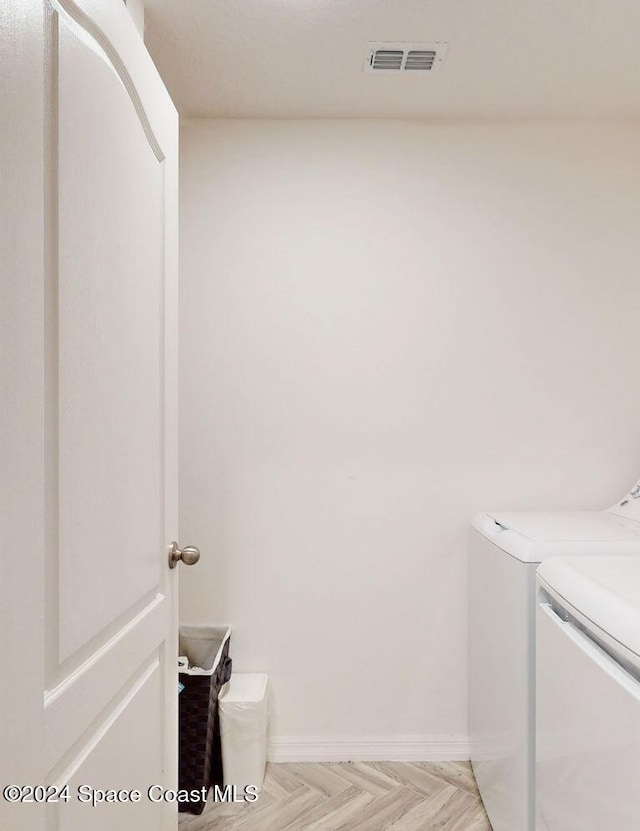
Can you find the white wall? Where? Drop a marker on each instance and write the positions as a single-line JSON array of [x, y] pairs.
[[386, 327]]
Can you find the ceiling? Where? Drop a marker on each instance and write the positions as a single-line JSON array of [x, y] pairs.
[[304, 58]]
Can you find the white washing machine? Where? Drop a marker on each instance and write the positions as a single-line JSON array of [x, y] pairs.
[[588, 695], [506, 548]]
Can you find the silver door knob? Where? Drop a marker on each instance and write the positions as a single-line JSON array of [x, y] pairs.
[[189, 555]]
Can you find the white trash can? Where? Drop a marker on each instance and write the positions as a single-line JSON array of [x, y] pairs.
[[244, 718]]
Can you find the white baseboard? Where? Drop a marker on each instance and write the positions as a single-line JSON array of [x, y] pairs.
[[368, 749]]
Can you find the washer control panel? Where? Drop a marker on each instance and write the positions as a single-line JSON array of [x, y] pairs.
[[629, 506]]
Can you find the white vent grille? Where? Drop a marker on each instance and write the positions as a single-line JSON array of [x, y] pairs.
[[420, 60], [387, 59], [405, 57]]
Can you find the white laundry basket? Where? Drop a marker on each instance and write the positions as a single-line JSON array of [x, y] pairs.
[[244, 719]]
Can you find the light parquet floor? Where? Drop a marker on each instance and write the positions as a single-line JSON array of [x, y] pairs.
[[354, 796]]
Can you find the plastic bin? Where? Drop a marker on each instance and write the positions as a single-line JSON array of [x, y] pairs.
[[244, 719], [204, 667]]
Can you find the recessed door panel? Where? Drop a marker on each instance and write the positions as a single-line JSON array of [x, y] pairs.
[[109, 362], [128, 734]]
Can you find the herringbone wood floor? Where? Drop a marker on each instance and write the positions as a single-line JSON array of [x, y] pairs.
[[355, 796]]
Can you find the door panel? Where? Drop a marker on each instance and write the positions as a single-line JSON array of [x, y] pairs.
[[81, 698], [119, 736], [110, 214], [90, 618]]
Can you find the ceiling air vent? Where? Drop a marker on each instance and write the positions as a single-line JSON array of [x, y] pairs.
[[387, 59], [420, 59], [405, 57]]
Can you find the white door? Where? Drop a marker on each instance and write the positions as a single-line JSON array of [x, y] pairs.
[[88, 228]]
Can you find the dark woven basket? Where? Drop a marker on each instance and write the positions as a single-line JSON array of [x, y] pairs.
[[200, 756]]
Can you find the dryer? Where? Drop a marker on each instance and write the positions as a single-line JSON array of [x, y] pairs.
[[505, 551], [588, 694]]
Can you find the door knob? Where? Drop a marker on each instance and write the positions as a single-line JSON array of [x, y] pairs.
[[189, 555]]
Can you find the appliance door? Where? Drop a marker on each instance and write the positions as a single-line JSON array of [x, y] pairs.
[[587, 728]]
